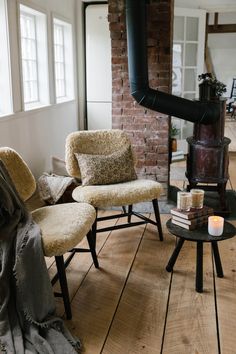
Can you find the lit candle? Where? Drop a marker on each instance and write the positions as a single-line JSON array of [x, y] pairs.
[[215, 225]]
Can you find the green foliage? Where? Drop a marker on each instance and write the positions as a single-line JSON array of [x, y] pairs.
[[174, 131], [218, 86]]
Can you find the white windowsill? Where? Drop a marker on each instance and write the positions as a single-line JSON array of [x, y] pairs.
[[20, 114]]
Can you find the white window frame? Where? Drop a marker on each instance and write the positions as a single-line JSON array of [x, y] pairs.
[[65, 76], [40, 78], [199, 67], [6, 105]]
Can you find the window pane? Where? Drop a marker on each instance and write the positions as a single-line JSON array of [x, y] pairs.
[[179, 28], [63, 60], [29, 57], [177, 54], [34, 91], [60, 88], [60, 71], [191, 54], [59, 53], [59, 57], [192, 29], [189, 80], [177, 81], [5, 71]]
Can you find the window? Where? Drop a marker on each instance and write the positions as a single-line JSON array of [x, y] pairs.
[[5, 73], [59, 46], [188, 62], [63, 61], [34, 57]]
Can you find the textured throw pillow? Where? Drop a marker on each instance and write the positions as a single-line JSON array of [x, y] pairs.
[[107, 169]]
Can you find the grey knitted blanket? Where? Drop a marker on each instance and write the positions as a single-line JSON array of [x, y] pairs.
[[27, 320]]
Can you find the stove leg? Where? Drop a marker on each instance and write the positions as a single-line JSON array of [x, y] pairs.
[[221, 190]]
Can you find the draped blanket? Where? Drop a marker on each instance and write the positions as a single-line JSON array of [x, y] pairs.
[[27, 310], [52, 187]]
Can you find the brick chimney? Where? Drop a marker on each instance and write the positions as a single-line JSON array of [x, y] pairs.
[[148, 130]]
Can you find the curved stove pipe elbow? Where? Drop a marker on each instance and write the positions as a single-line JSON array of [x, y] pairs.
[[192, 111]]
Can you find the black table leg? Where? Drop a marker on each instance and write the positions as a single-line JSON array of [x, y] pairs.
[[199, 267], [218, 264], [174, 256]]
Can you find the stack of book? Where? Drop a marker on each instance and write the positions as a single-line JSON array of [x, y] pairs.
[[192, 219]]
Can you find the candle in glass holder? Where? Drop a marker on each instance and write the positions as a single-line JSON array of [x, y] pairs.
[[215, 225], [184, 201], [197, 198]]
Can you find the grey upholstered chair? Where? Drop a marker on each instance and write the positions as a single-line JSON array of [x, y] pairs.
[[93, 147], [62, 226]]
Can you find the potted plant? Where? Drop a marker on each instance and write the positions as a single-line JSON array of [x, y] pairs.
[[174, 132], [210, 88]]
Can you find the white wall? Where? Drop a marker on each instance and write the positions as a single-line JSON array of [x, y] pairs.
[[223, 52], [40, 133]]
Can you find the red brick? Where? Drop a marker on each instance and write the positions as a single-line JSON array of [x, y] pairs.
[[148, 130]]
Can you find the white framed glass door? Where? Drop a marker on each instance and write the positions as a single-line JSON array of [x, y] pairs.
[[188, 62]]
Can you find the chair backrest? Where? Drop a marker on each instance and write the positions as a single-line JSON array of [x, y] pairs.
[[19, 172], [94, 142]]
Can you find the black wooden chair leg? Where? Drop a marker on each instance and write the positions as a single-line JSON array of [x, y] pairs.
[[158, 219], [91, 237], [94, 229], [124, 209], [64, 286], [130, 209]]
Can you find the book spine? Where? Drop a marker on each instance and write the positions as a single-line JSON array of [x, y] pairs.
[[186, 226], [192, 214], [195, 221]]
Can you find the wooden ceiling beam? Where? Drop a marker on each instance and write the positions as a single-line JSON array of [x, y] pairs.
[[229, 28], [216, 28]]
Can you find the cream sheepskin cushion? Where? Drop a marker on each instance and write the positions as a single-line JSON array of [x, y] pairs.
[[94, 142], [19, 172], [63, 226], [119, 194]]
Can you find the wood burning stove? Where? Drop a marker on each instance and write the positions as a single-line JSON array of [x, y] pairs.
[[207, 159]]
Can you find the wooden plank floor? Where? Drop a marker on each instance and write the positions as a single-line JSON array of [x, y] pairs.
[[131, 305]]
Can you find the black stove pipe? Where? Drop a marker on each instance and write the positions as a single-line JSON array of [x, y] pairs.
[[192, 111]]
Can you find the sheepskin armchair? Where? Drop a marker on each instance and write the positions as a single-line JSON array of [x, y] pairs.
[[104, 161], [62, 226], [20, 174]]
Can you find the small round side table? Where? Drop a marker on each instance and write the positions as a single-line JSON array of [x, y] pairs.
[[199, 235]]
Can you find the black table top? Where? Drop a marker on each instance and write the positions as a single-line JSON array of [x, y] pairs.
[[201, 233]]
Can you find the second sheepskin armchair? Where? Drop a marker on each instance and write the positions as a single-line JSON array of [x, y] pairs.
[[62, 226], [103, 160]]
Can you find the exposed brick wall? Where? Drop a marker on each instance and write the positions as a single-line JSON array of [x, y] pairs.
[[148, 130]]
